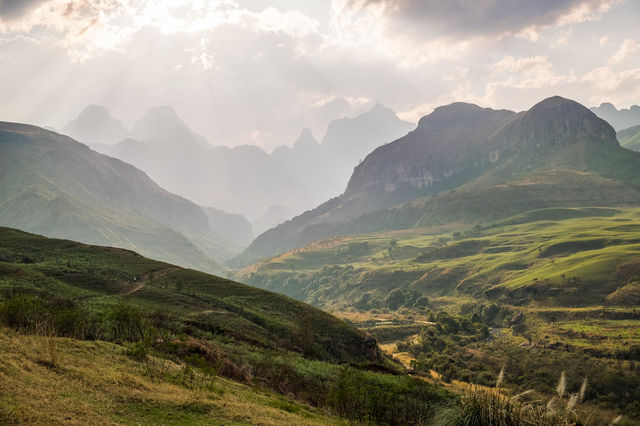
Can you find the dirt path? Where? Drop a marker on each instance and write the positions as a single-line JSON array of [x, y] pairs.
[[133, 290]]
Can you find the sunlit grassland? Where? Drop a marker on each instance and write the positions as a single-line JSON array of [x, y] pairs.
[[93, 382], [552, 245]]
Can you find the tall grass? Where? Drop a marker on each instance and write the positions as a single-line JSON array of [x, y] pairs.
[[490, 407]]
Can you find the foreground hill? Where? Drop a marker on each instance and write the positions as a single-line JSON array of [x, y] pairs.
[[95, 383], [45, 267], [53, 185], [471, 164], [182, 332]]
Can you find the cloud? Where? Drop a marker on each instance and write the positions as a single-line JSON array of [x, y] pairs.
[[473, 18], [626, 48], [12, 9], [528, 72], [242, 71], [607, 79]]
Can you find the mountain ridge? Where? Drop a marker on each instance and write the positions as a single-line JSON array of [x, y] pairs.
[[496, 148], [56, 186]]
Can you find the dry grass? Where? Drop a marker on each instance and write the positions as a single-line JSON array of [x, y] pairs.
[[94, 383]]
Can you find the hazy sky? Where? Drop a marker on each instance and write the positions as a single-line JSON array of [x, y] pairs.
[[258, 71]]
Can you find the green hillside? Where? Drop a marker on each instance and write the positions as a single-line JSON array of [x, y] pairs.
[[95, 383], [630, 138], [55, 186], [560, 252], [108, 334], [103, 277]]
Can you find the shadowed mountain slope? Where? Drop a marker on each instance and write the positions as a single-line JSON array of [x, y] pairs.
[[55, 186]]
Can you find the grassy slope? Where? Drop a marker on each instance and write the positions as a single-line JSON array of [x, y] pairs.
[[94, 383], [102, 276], [552, 245], [630, 138], [262, 340]]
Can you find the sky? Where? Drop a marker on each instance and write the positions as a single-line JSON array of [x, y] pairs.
[[257, 72]]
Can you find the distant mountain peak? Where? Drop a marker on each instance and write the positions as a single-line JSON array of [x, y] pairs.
[[452, 113], [95, 125], [559, 121], [608, 106], [619, 118], [94, 111], [381, 109], [557, 102], [306, 140], [163, 111], [157, 122], [305, 133]]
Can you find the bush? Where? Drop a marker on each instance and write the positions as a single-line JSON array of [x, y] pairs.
[[478, 408]]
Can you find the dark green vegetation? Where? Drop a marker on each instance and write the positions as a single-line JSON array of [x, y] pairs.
[[468, 165], [459, 348], [57, 187], [187, 328], [630, 138], [559, 287], [578, 257], [524, 228]]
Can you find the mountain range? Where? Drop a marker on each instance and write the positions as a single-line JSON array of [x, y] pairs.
[[468, 164], [618, 118], [267, 189], [57, 187], [244, 179]]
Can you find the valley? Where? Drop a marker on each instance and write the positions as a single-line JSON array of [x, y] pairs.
[[549, 286]]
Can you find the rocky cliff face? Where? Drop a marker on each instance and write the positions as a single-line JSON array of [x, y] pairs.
[[458, 141], [554, 123], [445, 143]]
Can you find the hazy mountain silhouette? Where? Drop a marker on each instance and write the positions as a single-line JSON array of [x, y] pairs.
[[55, 186], [95, 126], [243, 179], [235, 228], [324, 169], [499, 163], [304, 163], [618, 118], [273, 216]]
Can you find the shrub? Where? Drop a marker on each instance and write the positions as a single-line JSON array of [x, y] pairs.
[[478, 408]]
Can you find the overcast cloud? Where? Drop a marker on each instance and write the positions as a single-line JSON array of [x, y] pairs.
[[257, 72]]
